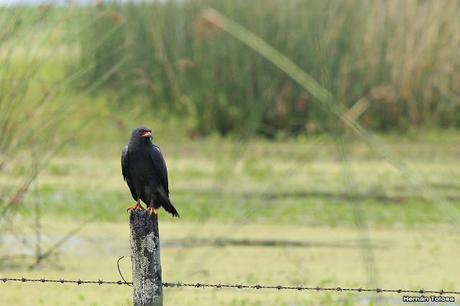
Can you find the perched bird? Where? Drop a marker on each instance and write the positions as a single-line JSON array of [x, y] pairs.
[[144, 170]]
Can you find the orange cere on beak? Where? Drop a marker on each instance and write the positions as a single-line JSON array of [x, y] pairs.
[[147, 134]]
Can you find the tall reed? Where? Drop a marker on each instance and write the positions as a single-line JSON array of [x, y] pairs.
[[396, 62], [38, 112]]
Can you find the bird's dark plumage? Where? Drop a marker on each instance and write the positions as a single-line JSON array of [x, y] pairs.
[[144, 170]]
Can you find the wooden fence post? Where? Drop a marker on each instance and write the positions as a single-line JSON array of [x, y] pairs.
[[145, 258]]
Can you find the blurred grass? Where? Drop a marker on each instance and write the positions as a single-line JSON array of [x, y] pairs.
[[115, 115], [330, 257], [394, 62], [295, 182], [289, 181], [42, 107], [181, 76]]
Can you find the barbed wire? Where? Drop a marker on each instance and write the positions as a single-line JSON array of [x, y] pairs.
[[5, 280]]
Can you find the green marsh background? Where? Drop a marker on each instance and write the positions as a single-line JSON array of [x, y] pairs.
[[344, 161]]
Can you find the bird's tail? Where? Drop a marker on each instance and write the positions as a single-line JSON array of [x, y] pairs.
[[167, 205]]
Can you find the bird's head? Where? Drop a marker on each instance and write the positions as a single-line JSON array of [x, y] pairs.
[[142, 133]]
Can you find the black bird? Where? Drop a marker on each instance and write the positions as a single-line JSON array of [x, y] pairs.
[[144, 170]]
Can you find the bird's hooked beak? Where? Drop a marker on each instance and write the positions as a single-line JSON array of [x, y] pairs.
[[147, 134]]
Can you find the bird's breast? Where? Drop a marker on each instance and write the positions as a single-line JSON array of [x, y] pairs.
[[141, 166]]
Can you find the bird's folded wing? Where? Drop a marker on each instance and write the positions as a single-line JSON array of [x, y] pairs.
[[159, 165], [125, 172], [124, 162]]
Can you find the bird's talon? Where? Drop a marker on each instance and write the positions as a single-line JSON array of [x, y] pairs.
[[135, 207], [152, 210]]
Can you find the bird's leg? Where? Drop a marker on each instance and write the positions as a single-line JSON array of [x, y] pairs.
[[138, 206], [151, 209]]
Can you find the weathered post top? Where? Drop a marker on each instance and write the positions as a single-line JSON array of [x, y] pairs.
[[145, 258]]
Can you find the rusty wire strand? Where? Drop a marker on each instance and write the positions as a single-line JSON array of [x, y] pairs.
[[232, 286], [119, 271]]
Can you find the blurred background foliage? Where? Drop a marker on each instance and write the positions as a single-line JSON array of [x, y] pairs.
[[251, 154], [86, 74], [398, 60]]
